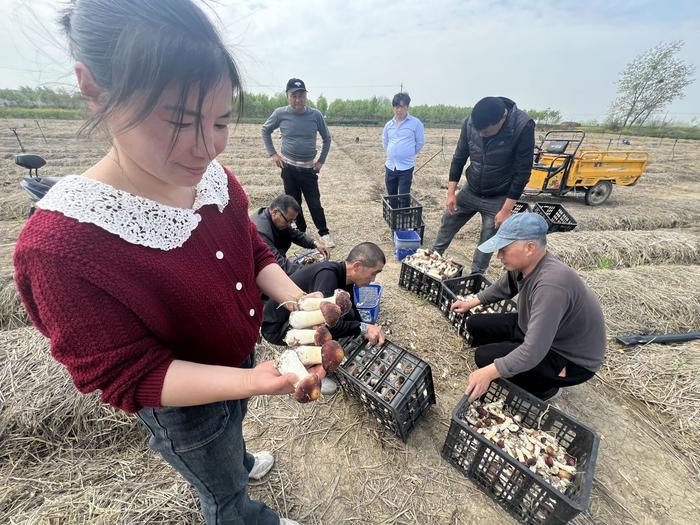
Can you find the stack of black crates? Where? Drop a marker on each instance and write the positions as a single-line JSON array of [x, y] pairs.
[[395, 386], [524, 494]]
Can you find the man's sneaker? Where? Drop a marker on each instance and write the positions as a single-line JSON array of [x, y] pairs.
[[263, 463], [287, 521], [328, 240], [328, 386]]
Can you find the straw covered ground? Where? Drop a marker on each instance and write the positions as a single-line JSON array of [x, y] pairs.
[[66, 458]]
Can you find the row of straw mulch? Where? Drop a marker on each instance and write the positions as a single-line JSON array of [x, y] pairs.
[[666, 379], [622, 249], [648, 299]]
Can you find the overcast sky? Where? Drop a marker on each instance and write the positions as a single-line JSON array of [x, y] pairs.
[[546, 53]]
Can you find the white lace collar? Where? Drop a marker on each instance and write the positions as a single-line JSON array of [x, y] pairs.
[[135, 219]]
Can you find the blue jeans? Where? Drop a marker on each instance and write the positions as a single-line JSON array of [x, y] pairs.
[[205, 445], [468, 204], [398, 181]]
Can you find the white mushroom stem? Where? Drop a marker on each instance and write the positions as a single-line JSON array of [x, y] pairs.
[[309, 355], [300, 337], [328, 314], [309, 304], [289, 362], [305, 319]]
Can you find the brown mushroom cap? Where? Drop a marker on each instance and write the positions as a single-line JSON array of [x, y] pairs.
[[331, 312], [332, 356], [308, 389], [322, 335], [343, 299]]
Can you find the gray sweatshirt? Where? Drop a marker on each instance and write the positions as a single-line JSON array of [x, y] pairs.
[[555, 310], [298, 133]]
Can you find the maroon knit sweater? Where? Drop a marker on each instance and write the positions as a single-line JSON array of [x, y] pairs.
[[119, 313]]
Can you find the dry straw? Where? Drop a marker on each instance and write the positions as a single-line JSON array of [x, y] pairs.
[[620, 249], [648, 299], [666, 379], [12, 313]]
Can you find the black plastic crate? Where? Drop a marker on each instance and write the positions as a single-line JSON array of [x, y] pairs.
[[558, 218], [504, 306], [402, 212], [451, 288], [520, 207], [417, 281], [522, 493], [469, 284], [395, 386]]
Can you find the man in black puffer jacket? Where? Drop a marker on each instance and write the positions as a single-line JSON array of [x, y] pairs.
[[499, 140]]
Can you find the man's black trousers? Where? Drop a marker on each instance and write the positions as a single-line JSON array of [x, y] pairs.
[[496, 335], [298, 181]]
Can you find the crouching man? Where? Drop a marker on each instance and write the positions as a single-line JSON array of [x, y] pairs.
[[360, 268], [274, 225], [556, 339]]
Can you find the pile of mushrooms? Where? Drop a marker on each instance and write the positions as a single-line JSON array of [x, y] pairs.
[[433, 264], [312, 344], [478, 309], [533, 447]]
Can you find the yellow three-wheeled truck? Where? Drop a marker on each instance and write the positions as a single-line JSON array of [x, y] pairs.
[[561, 166]]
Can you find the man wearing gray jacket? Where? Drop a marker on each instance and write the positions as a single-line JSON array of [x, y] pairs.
[[299, 125], [275, 227], [556, 339]]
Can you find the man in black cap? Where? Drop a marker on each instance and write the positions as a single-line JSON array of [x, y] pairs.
[[299, 125], [499, 140], [557, 338]]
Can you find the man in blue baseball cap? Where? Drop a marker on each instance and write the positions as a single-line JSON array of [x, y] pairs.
[[557, 337]]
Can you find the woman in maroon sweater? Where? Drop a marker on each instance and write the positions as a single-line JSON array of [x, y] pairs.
[[145, 271]]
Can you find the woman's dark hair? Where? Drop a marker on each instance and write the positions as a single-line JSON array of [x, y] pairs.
[[141, 47]]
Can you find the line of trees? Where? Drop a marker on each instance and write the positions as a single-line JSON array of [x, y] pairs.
[[370, 111]]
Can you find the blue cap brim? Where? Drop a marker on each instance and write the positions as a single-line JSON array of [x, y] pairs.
[[494, 243]]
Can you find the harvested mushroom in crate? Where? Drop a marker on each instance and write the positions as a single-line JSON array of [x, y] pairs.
[[478, 309], [537, 449], [433, 264]]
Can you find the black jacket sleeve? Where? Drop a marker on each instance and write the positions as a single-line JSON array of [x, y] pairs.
[[522, 163], [326, 281], [288, 266], [301, 239], [459, 159]]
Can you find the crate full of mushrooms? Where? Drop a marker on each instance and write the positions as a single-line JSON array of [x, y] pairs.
[[531, 458], [424, 272]]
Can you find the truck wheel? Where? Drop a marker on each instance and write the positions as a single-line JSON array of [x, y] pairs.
[[599, 193]]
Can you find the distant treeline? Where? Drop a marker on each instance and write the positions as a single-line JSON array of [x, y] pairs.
[[43, 102]]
